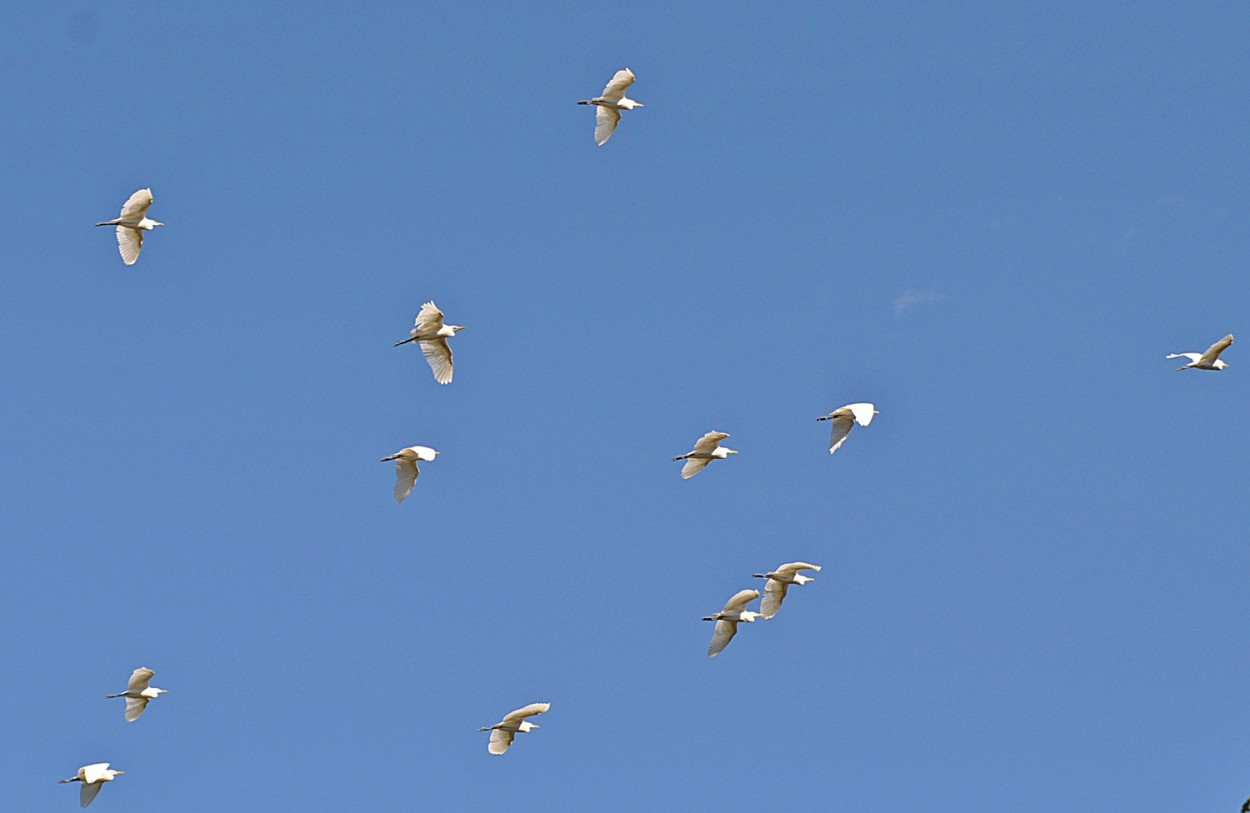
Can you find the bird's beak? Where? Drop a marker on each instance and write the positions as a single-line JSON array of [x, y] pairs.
[[157, 223], [639, 104], [533, 725], [119, 773]]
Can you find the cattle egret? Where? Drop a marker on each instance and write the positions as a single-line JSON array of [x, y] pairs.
[[843, 418], [138, 693], [406, 471], [430, 331], [1210, 360], [608, 107], [93, 778], [706, 449], [131, 225], [779, 581], [728, 618], [502, 732]]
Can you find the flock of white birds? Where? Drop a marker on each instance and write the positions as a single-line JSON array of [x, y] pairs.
[[432, 333]]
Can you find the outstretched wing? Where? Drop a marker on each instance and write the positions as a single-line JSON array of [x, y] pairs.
[[740, 600], [135, 707], [93, 773], [709, 441], [406, 473], [438, 355], [790, 568], [129, 243], [430, 318], [774, 594], [606, 119], [526, 711], [87, 793], [693, 466], [500, 739], [1213, 352], [724, 633], [139, 679], [863, 412], [841, 425], [136, 207], [1191, 356], [620, 82]]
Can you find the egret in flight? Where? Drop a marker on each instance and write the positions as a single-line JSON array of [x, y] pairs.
[[843, 418], [503, 732], [728, 618], [430, 331], [138, 693], [706, 449], [93, 778], [608, 107], [406, 471], [1210, 360], [131, 225], [779, 581]]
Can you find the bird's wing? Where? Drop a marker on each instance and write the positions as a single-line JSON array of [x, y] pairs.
[[606, 119], [527, 711], [841, 428], [129, 242], [863, 413], [430, 317], [740, 600], [790, 568], [614, 91], [500, 739], [709, 441], [139, 679], [93, 773], [1213, 352], [774, 594], [406, 473], [87, 793], [693, 466], [724, 633], [1245, 808], [1190, 356], [135, 707], [137, 206], [438, 356]]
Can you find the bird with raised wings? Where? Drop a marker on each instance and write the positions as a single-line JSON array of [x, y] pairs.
[[93, 778], [843, 418], [706, 449], [728, 618], [1209, 360], [503, 732], [609, 105], [406, 471], [779, 581], [138, 693], [432, 334], [131, 225]]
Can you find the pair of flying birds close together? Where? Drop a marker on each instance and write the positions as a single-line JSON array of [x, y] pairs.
[[735, 610]]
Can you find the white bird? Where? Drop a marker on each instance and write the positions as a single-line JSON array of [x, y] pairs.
[[1210, 360], [843, 418], [406, 471], [93, 778], [502, 732], [138, 693], [430, 331], [608, 106], [779, 581], [728, 618], [706, 449], [131, 225]]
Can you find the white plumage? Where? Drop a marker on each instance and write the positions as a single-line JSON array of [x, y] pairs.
[[843, 418], [406, 471], [93, 778], [706, 449], [778, 581], [432, 334], [138, 693], [131, 225], [728, 618], [1210, 360], [503, 732], [609, 105]]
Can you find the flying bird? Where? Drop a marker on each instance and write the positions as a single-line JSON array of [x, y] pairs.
[[138, 693], [843, 418], [728, 618], [93, 778], [131, 225], [608, 107], [406, 471], [430, 331], [1210, 360], [779, 581], [706, 449], [502, 732]]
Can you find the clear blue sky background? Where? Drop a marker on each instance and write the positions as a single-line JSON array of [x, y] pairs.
[[992, 222]]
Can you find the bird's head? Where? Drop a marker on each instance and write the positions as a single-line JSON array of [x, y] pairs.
[[749, 616], [527, 726]]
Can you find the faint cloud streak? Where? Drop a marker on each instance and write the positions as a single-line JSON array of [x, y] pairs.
[[911, 298]]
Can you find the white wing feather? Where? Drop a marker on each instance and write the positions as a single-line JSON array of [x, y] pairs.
[[87, 793], [438, 356], [614, 91], [693, 466], [774, 594], [863, 412], [129, 243], [724, 633], [136, 207], [135, 707], [709, 441], [430, 317], [841, 427], [1190, 356], [526, 711], [94, 773], [406, 473], [500, 739], [606, 119], [1213, 352], [740, 599], [139, 679]]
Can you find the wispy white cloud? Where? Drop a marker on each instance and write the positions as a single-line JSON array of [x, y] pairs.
[[912, 297]]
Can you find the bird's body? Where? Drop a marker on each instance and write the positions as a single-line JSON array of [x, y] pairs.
[[93, 778], [131, 225], [728, 618], [406, 471], [706, 449], [1209, 360], [503, 732], [608, 106], [844, 418], [432, 334], [138, 693], [779, 581]]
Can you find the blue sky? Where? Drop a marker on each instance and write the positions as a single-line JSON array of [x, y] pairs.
[[993, 222]]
